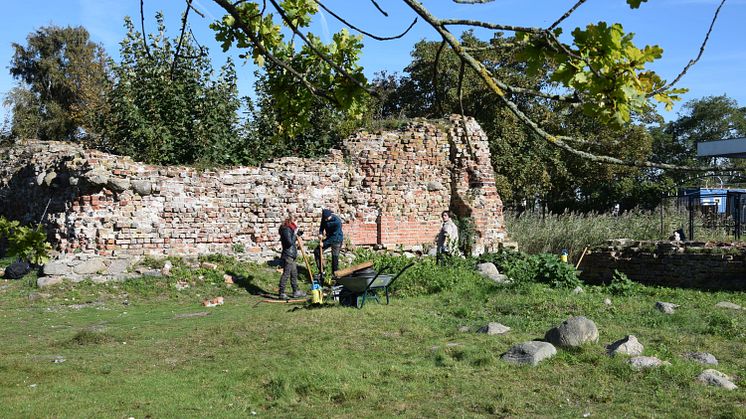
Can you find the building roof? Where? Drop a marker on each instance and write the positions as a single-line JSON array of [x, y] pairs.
[[735, 148]]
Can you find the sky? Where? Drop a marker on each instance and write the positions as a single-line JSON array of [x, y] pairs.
[[678, 26]]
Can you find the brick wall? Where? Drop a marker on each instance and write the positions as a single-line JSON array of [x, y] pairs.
[[389, 189], [700, 265]]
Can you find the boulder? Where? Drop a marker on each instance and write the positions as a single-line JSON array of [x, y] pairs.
[[728, 304], [97, 176], [48, 281], [489, 271], [716, 378], [607, 301], [646, 362], [629, 345], [577, 290], [531, 352], [90, 266], [117, 266], [56, 268], [701, 357], [117, 184], [142, 187], [668, 308], [573, 332], [494, 329]]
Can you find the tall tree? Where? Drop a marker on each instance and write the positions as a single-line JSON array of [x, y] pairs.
[[167, 107], [63, 87]]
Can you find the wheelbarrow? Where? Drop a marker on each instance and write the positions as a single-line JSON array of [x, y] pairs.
[[359, 286]]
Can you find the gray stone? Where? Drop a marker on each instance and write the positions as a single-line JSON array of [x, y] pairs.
[[716, 378], [701, 357], [36, 296], [56, 268], [667, 308], [48, 281], [728, 304], [90, 266], [629, 345], [101, 279], [607, 301], [577, 290], [118, 184], [646, 362], [531, 352], [117, 266], [573, 332], [464, 329], [97, 176], [142, 187], [434, 186], [489, 271], [494, 329]]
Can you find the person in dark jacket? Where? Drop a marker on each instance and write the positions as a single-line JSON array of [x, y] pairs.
[[289, 254], [330, 235]]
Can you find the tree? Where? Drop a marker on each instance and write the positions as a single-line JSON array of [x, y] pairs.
[[64, 84], [525, 166], [170, 111], [601, 72]]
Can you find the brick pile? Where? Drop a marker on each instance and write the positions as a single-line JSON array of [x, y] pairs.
[[388, 187]]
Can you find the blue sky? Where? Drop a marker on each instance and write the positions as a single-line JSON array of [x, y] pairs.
[[678, 26]]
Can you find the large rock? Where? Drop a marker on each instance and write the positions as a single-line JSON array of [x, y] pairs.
[[117, 184], [728, 304], [142, 187], [56, 268], [90, 266], [646, 362], [489, 270], [629, 345], [573, 332], [117, 266], [97, 176], [716, 378], [494, 329], [701, 357], [531, 352], [667, 308], [48, 281]]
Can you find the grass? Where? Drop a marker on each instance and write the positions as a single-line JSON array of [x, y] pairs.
[[574, 231], [136, 349]]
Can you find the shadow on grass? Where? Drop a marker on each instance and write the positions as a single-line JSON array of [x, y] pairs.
[[247, 282]]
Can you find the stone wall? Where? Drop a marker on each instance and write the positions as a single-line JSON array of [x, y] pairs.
[[389, 189], [700, 265]]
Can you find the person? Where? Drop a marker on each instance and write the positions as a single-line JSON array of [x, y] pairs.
[[447, 237], [330, 235], [288, 231]]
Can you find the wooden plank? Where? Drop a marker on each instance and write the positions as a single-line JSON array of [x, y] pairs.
[[344, 272]]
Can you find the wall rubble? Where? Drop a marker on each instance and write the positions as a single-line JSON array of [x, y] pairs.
[[714, 266], [389, 189]]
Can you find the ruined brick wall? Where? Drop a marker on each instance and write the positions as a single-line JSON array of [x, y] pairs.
[[715, 266], [389, 189]]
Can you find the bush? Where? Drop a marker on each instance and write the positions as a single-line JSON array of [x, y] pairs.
[[25, 243], [621, 284], [544, 268]]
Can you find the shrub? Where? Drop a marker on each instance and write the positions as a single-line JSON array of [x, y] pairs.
[[523, 268], [621, 284], [24, 242]]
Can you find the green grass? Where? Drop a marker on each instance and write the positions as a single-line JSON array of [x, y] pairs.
[[574, 231], [131, 349]]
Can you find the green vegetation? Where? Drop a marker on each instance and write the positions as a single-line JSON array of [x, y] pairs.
[[141, 348], [24, 242], [574, 231]]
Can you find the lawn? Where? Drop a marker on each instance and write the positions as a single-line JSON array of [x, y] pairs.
[[143, 349]]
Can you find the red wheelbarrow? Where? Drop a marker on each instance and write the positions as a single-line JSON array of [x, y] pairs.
[[356, 286]]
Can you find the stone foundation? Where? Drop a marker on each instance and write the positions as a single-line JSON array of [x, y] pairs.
[[389, 189], [715, 266]]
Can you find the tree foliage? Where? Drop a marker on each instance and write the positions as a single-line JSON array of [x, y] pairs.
[[172, 110], [64, 82], [601, 71]]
